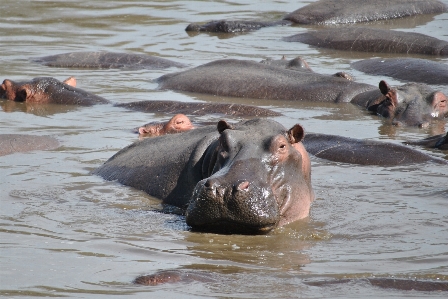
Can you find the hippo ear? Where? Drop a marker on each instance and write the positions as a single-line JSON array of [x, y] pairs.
[[223, 125], [296, 134], [384, 87], [70, 81]]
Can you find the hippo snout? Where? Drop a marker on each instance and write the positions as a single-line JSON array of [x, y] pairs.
[[238, 207]]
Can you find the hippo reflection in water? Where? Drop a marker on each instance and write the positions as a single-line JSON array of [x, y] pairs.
[[247, 178]]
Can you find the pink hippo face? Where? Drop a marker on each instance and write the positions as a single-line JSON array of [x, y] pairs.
[[35, 91]]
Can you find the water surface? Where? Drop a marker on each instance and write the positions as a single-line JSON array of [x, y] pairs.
[[64, 232]]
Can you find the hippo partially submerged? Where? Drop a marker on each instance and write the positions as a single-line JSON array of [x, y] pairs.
[[107, 60], [438, 141], [354, 11], [177, 124], [372, 40], [247, 178], [48, 90], [198, 108], [416, 104], [250, 79], [411, 104], [408, 69], [228, 26]]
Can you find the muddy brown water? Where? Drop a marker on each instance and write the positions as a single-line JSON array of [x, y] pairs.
[[64, 232]]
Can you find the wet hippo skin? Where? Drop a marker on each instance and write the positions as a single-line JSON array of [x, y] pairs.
[[228, 26], [365, 39], [408, 69], [197, 108], [17, 143], [438, 141], [364, 152], [107, 60], [415, 105], [412, 104], [48, 90], [250, 79], [245, 178], [355, 11], [177, 124]]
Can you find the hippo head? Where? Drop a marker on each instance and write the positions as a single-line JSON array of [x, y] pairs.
[[257, 177], [411, 104], [31, 91]]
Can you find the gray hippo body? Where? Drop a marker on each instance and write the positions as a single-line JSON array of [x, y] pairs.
[[408, 69], [250, 79], [228, 26], [249, 178], [354, 11], [107, 60], [416, 105], [197, 108], [364, 152], [48, 90], [438, 141], [19, 143], [372, 40]]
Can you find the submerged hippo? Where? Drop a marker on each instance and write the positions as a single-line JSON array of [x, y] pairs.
[[48, 90], [250, 79], [18, 143], [364, 152], [408, 69], [372, 40], [107, 60], [247, 178], [389, 283], [227, 26], [438, 141], [353, 11], [412, 104], [177, 124], [197, 108]]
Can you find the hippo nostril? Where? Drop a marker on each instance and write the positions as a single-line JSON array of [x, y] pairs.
[[244, 185]]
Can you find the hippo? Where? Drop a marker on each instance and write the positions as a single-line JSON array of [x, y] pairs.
[[177, 124], [19, 143], [196, 108], [416, 105], [328, 12], [372, 40], [250, 79], [438, 141], [247, 178], [389, 283], [408, 69], [173, 276], [413, 104], [48, 90], [107, 60], [364, 152], [228, 26]]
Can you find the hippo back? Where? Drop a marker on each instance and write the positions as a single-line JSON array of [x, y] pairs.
[[165, 167]]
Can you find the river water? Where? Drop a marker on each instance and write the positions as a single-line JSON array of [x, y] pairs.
[[65, 232]]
